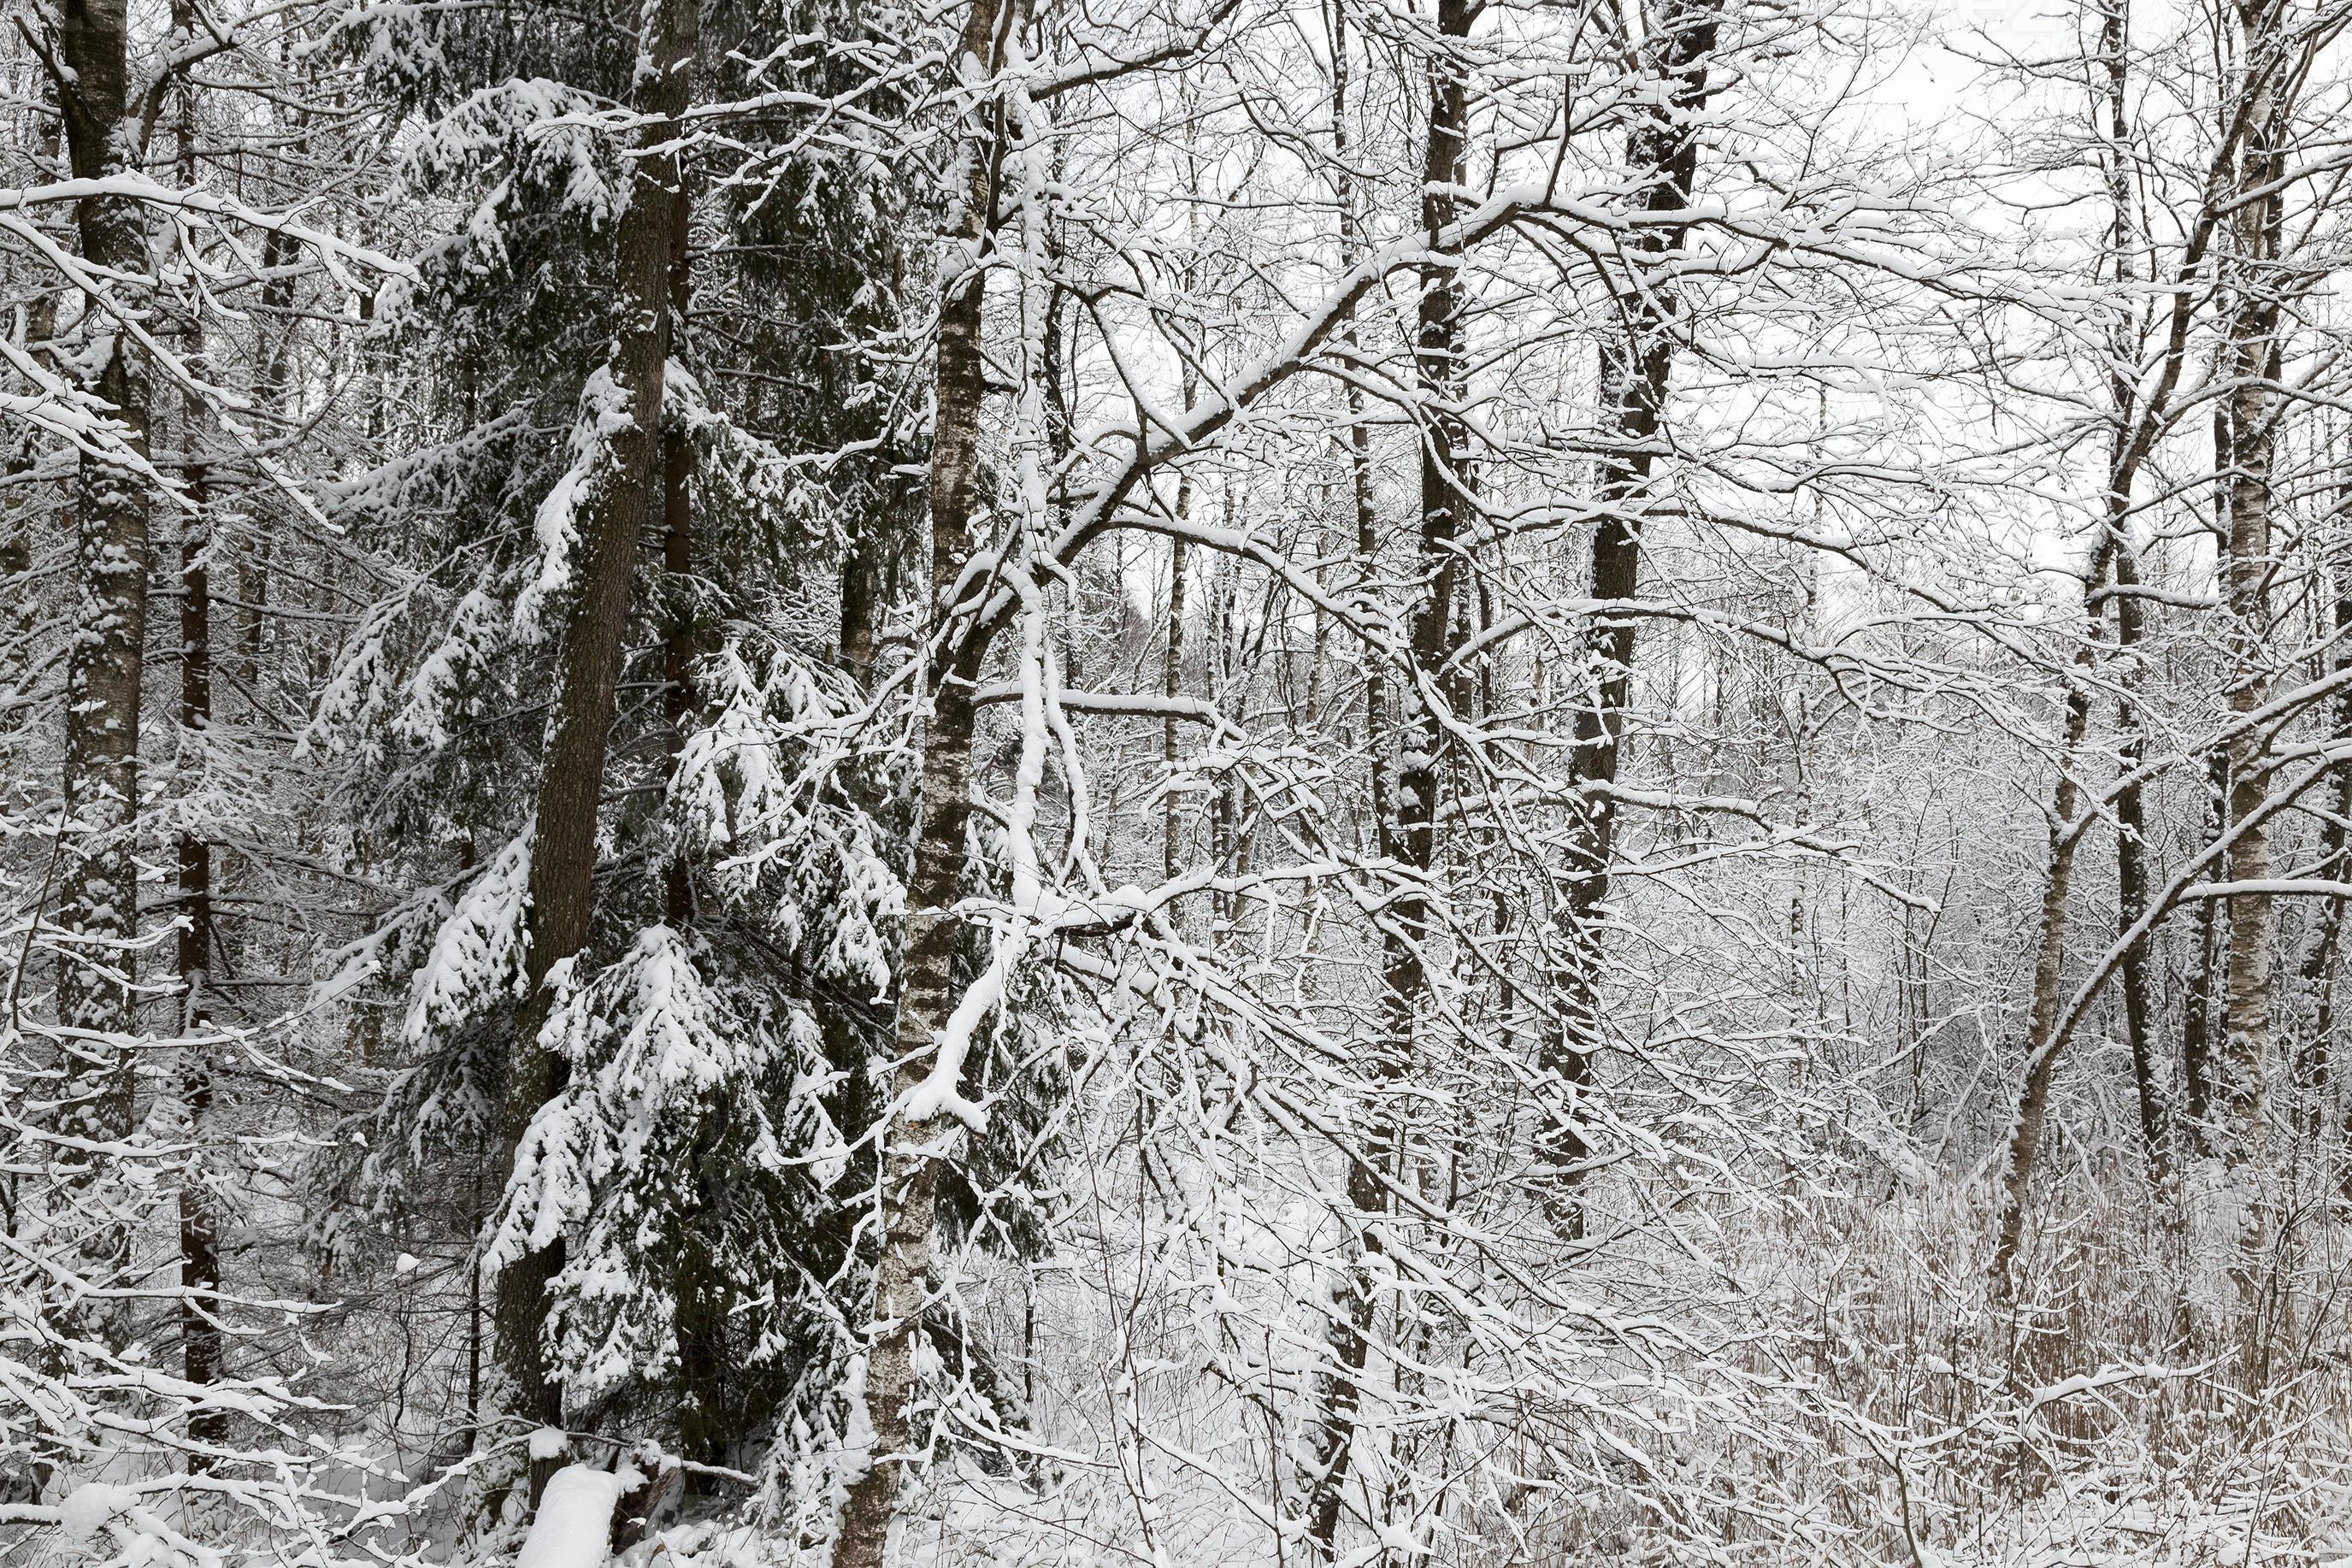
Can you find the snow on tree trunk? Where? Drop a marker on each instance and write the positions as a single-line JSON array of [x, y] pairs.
[[1409, 836], [908, 1199], [2049, 972], [200, 1333], [627, 398], [2251, 407], [97, 910], [1662, 154]]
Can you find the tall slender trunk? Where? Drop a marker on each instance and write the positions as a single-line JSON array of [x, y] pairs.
[[2049, 964], [1360, 435], [2132, 885], [96, 919], [1351, 1328], [2124, 248], [1229, 656], [1179, 548], [2253, 284], [1661, 157], [908, 1179], [2199, 1013], [1410, 833], [1171, 683], [277, 381], [23, 605], [2251, 407], [200, 1334], [2317, 971], [563, 846], [98, 909], [2246, 985], [678, 552]]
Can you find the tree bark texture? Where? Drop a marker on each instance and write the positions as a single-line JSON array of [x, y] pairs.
[[1409, 832], [563, 846], [910, 1168], [2049, 972], [1662, 156], [98, 912]]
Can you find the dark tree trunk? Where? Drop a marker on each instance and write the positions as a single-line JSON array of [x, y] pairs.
[[2131, 610], [2197, 1013], [564, 846], [1410, 833], [1661, 155], [2132, 889], [1171, 684], [97, 917], [678, 553], [200, 1334], [98, 912], [1359, 441]]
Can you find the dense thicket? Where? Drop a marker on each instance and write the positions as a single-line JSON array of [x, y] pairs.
[[1505, 780]]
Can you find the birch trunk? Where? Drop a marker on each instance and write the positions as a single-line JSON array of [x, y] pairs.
[[2048, 971], [909, 1195], [2246, 984], [2252, 408]]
